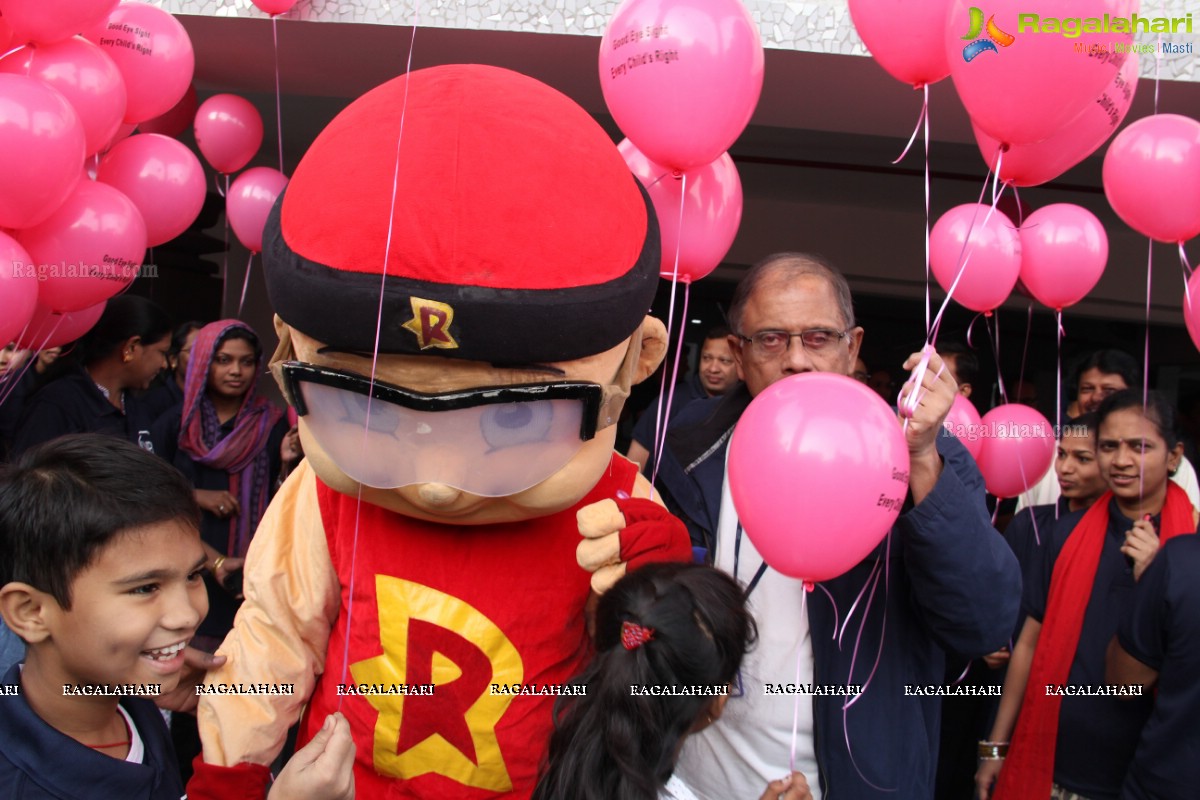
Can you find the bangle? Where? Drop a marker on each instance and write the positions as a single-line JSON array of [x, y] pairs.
[[993, 751], [216, 565]]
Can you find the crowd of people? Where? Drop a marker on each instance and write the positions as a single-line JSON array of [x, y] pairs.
[[162, 458]]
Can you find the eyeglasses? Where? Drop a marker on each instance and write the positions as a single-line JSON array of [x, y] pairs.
[[814, 340], [492, 442]]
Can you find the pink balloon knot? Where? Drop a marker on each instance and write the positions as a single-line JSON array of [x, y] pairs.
[[809, 586]]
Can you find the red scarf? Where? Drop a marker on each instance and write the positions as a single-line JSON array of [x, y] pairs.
[[1029, 770], [243, 453]]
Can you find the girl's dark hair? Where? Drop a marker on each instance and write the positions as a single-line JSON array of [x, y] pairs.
[[240, 333], [124, 317], [613, 745], [64, 501], [1110, 362], [1156, 409]]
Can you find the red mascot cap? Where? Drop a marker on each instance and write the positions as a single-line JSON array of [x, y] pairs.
[[518, 235]]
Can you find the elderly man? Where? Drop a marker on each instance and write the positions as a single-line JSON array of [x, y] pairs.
[[950, 583]]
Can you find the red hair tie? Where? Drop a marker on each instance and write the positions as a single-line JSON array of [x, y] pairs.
[[634, 636]]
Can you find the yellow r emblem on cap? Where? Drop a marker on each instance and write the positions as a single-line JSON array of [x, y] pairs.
[[431, 323]]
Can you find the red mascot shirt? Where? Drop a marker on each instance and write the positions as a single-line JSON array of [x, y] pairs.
[[439, 625]]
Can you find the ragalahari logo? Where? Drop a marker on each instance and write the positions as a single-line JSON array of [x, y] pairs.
[[995, 35]]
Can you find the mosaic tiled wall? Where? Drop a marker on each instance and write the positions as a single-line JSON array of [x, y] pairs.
[[820, 27]]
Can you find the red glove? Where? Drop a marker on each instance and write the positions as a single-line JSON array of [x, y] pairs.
[[651, 534], [624, 534], [243, 782]]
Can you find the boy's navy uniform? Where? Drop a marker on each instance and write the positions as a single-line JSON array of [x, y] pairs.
[[38, 762]]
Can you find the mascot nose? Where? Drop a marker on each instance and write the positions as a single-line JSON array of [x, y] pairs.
[[438, 494]]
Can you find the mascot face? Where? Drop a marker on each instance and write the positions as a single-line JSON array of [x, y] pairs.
[[568, 477], [504, 290]]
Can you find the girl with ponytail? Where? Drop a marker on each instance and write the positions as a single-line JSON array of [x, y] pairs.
[[669, 641]]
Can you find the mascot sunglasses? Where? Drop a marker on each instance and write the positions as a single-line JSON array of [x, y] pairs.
[[490, 441]]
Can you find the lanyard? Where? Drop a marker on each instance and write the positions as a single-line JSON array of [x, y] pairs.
[[737, 552]]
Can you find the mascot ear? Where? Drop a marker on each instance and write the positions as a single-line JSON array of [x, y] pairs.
[[654, 349]]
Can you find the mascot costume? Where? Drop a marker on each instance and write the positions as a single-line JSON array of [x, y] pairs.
[[460, 268]]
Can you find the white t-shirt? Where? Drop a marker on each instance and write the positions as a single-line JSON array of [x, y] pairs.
[[676, 790], [1047, 490], [137, 749], [751, 744]]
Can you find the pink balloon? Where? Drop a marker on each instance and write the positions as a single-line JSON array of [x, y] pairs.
[[1191, 308], [53, 329], [1063, 252], [41, 150], [84, 75], [125, 130], [681, 77], [992, 261], [89, 249], [1035, 164], [162, 177], [175, 121], [229, 131], [790, 460], [1152, 177], [1033, 83], [712, 211], [18, 288], [905, 38], [6, 35], [249, 201], [154, 54], [274, 7], [1017, 449], [963, 423], [47, 21]]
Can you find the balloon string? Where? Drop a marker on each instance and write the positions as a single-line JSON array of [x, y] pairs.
[[993, 338], [10, 52], [850, 612], [833, 603], [1025, 349], [662, 415], [245, 286], [964, 254], [660, 436], [350, 594], [799, 662], [971, 328], [1146, 353], [851, 701], [916, 128], [923, 119], [887, 560], [217, 183], [928, 299], [962, 674], [387, 251], [278, 103], [1058, 404], [225, 252], [1187, 274]]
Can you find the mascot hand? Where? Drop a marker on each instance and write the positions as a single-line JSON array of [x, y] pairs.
[[624, 534], [243, 782]]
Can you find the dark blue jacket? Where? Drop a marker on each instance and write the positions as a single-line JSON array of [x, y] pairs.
[[953, 585], [39, 763]]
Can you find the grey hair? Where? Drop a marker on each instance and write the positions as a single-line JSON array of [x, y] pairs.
[[787, 266]]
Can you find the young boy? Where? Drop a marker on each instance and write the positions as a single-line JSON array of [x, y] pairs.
[[101, 575]]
